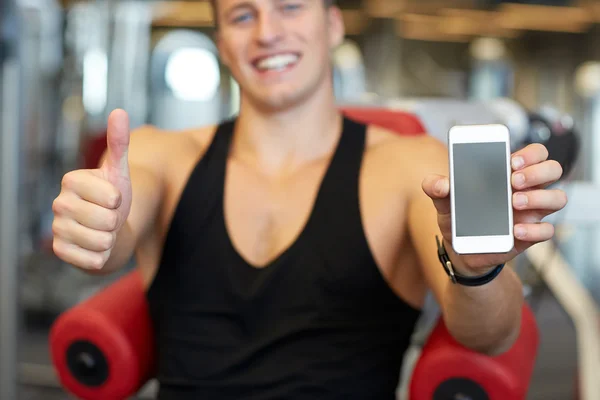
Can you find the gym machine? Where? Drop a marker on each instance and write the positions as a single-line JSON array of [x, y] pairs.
[[82, 354], [569, 287], [10, 159], [433, 116], [112, 332]]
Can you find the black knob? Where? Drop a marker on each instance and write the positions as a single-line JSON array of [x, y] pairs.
[[87, 363], [460, 389]]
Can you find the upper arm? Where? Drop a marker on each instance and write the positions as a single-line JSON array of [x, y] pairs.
[[413, 159], [431, 158], [147, 160]]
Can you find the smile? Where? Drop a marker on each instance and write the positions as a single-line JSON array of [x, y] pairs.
[[279, 62]]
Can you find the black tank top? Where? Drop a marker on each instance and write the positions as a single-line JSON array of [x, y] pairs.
[[319, 322]]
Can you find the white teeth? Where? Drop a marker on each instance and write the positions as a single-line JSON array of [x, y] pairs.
[[277, 62]]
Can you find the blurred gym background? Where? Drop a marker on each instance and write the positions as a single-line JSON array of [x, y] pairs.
[[531, 64]]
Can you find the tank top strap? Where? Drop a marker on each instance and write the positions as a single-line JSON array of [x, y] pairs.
[[218, 150], [340, 185], [208, 177], [201, 195], [337, 210]]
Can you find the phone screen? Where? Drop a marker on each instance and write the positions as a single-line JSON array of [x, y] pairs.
[[480, 189]]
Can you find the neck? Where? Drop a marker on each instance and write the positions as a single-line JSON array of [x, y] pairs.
[[280, 141]]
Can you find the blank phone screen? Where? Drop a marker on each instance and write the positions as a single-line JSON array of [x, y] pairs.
[[480, 189]]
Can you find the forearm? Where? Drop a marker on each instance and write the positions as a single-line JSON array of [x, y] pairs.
[[486, 318]]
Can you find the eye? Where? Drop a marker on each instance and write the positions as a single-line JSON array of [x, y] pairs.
[[242, 17], [242, 14]]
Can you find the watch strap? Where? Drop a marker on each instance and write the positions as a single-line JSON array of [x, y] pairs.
[[464, 280]]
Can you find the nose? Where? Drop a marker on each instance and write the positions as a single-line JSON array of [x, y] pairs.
[[269, 29]]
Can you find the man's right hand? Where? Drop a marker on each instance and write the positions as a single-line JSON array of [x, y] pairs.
[[93, 205]]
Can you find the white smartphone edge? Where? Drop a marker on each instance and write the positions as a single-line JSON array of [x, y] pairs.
[[481, 134]]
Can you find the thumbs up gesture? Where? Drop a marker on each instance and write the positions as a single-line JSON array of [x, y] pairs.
[[94, 204]]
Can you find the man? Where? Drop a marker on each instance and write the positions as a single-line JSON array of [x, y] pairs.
[[287, 252]]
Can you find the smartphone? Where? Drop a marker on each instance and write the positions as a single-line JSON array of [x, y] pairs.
[[481, 189]]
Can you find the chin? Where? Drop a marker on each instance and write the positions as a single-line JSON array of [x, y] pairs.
[[284, 98], [279, 100], [282, 101]]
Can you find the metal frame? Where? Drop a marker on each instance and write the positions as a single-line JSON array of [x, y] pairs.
[[566, 287], [10, 155], [580, 307]]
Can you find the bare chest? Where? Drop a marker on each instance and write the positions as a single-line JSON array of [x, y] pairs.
[[265, 217]]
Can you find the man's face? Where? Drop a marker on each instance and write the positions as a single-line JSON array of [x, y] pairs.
[[278, 50]]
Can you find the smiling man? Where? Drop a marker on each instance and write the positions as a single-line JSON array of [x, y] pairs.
[[287, 252]]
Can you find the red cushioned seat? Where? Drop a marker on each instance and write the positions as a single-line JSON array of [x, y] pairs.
[[103, 348]]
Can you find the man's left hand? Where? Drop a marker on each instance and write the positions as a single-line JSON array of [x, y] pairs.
[[531, 200]]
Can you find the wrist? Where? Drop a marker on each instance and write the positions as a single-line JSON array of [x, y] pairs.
[[460, 266], [461, 270]]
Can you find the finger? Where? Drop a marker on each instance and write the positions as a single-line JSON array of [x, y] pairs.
[[91, 186], [90, 215], [76, 256], [533, 154], [445, 225], [551, 200], [534, 232], [530, 216], [437, 187], [116, 163], [538, 175], [70, 231]]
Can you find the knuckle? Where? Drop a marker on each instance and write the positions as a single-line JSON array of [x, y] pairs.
[[112, 220], [107, 241], [106, 256], [532, 176], [541, 149], [56, 229], [96, 261], [69, 180], [58, 205], [114, 198], [58, 249]]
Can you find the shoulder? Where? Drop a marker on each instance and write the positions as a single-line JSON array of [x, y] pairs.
[[407, 157], [151, 136], [150, 145]]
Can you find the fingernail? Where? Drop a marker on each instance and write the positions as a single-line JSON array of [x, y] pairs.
[[438, 186], [520, 200], [520, 232], [517, 162], [519, 180]]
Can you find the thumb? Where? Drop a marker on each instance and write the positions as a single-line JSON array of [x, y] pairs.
[[437, 187], [116, 164]]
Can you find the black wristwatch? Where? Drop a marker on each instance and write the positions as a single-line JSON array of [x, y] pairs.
[[463, 280]]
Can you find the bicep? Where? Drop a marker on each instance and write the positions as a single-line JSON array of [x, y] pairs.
[[147, 192], [423, 228], [423, 217]]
